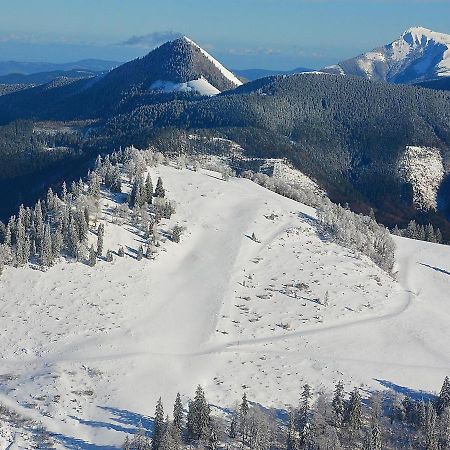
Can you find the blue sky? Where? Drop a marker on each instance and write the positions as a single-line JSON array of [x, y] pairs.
[[241, 33]]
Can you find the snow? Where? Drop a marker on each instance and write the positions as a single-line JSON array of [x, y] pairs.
[[423, 169], [225, 72], [200, 86], [89, 350]]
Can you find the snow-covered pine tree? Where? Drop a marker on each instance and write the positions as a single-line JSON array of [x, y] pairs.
[[292, 442], [109, 256], [304, 413], [178, 413], [46, 248], [100, 239], [243, 419], [338, 403], [148, 190], [443, 400], [121, 252], [140, 253], [159, 190], [92, 256], [353, 413], [431, 436], [158, 425]]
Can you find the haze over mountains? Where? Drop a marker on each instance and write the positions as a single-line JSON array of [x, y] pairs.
[[347, 133]]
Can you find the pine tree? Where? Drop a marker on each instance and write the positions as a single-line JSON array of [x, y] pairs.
[[92, 256], [121, 252], [292, 442], [178, 413], [443, 400], [198, 415], [159, 190], [100, 237], [148, 190], [159, 426], [140, 253], [46, 249], [243, 418], [57, 241], [430, 428], [338, 403], [353, 414], [304, 413]]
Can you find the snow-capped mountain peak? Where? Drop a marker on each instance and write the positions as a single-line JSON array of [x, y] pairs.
[[418, 55], [225, 72]]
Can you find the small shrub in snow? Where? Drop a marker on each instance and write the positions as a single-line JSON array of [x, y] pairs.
[[176, 233]]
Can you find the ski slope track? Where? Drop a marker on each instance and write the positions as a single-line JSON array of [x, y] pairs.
[[88, 351]]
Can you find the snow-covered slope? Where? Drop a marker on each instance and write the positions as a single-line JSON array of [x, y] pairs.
[[200, 86], [224, 71], [416, 56], [87, 351]]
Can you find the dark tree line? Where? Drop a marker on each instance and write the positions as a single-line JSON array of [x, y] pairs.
[[338, 422]]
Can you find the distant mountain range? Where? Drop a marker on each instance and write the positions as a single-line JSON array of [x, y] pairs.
[[346, 132], [27, 68], [46, 77], [418, 55], [255, 74]]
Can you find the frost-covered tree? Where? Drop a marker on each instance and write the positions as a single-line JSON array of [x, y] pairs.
[[100, 239], [92, 256], [338, 403], [443, 400], [178, 413], [159, 426], [198, 415], [140, 253], [353, 413], [159, 190]]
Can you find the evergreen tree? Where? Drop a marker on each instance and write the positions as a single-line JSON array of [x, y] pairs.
[[338, 403], [159, 190], [92, 256], [178, 413], [100, 237], [148, 190], [292, 442], [140, 253], [443, 400], [46, 249], [198, 415], [243, 418], [159, 426], [304, 413], [353, 414], [121, 252], [430, 428]]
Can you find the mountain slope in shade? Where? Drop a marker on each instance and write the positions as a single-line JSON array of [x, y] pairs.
[[417, 55]]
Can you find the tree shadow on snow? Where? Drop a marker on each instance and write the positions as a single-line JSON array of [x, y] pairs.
[[77, 444], [437, 269], [407, 392]]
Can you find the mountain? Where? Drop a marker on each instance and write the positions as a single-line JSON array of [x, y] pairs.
[[176, 66], [45, 77], [347, 133], [27, 68], [417, 55], [176, 69], [255, 74]]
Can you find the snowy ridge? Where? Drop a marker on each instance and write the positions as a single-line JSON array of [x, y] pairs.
[[417, 55], [92, 348], [225, 72]]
